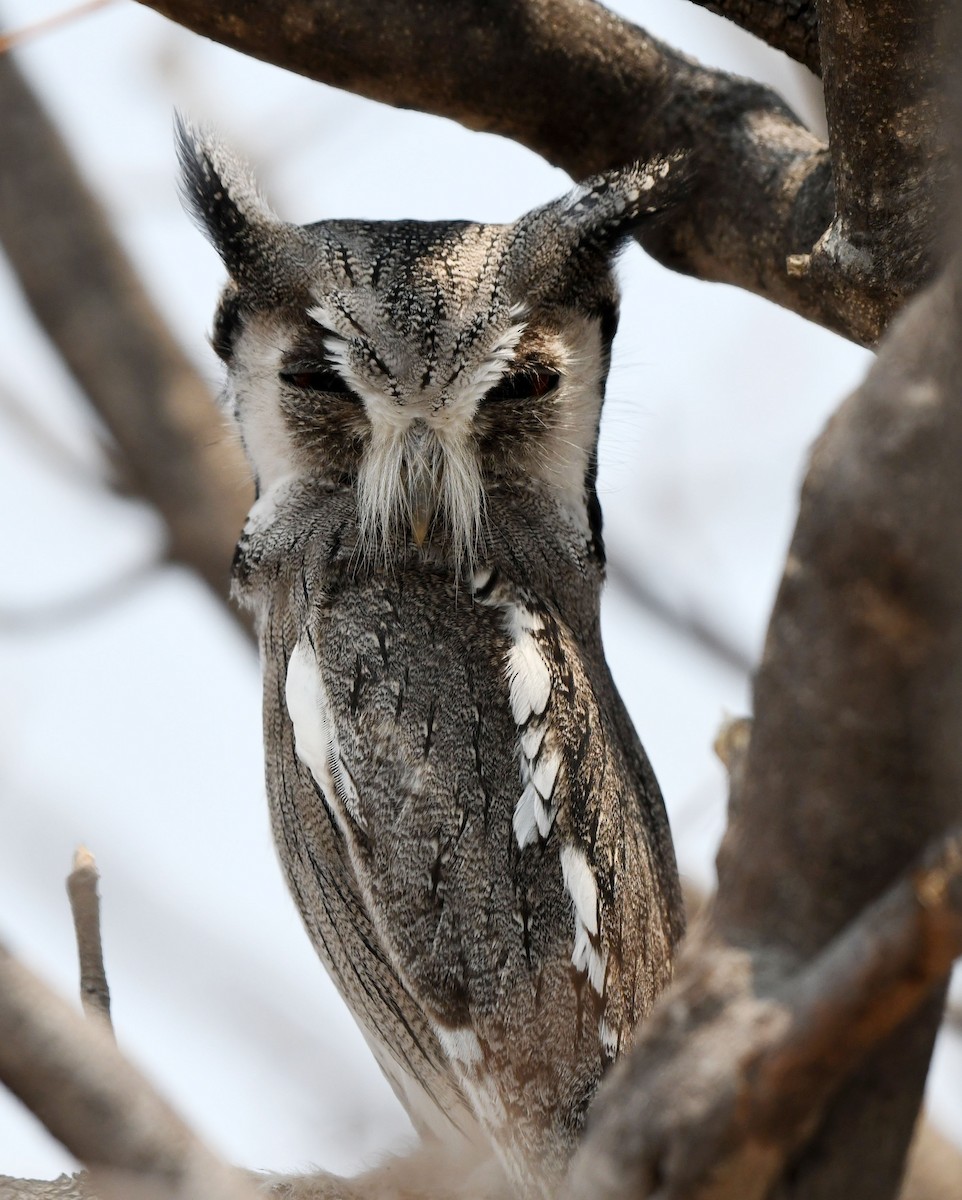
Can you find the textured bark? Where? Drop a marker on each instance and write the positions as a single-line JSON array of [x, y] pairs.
[[787, 25], [172, 442], [586, 90], [852, 767], [883, 90]]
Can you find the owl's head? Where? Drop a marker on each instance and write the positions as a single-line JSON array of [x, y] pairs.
[[422, 364]]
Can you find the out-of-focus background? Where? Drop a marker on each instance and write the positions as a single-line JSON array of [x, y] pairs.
[[132, 724]]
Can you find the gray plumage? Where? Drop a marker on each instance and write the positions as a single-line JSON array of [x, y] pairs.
[[465, 816]]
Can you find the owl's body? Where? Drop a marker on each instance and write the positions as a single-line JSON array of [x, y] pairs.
[[464, 813]]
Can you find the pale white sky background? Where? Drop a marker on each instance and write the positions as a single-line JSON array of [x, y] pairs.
[[136, 729]]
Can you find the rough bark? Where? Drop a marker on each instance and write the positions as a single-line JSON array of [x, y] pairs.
[[586, 90], [883, 91], [852, 767], [172, 443], [787, 25]]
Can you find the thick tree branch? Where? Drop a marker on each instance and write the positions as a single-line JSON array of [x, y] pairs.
[[787, 25], [762, 1067], [174, 447], [852, 767], [883, 89], [586, 90]]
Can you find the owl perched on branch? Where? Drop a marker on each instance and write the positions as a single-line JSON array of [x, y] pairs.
[[464, 813]]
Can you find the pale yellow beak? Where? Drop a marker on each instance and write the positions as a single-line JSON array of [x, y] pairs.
[[420, 525], [422, 498]]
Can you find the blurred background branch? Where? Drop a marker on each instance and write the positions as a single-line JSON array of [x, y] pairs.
[[167, 434]]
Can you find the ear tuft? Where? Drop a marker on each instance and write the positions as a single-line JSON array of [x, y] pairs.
[[219, 191], [608, 207], [579, 234]]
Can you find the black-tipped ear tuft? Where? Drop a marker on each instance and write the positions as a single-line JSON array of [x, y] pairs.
[[580, 233], [609, 207], [221, 195]]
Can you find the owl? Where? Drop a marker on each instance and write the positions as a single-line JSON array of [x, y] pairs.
[[465, 816]]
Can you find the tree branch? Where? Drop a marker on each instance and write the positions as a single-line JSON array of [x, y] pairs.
[[755, 1065], [175, 450], [26, 33], [787, 25], [586, 90], [85, 907], [71, 1075], [883, 87], [853, 765]]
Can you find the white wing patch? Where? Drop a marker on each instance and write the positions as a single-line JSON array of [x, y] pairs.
[[461, 1045], [535, 812], [608, 1037], [581, 886], [529, 691], [315, 736], [529, 679]]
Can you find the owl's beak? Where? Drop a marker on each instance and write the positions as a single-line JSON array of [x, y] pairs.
[[422, 498], [420, 524]]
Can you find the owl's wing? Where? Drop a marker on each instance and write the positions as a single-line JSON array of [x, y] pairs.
[[497, 837], [321, 877]]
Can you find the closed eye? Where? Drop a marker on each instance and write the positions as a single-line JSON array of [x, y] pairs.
[[529, 382], [317, 379]]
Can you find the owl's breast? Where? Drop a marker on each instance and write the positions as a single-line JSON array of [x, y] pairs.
[[415, 680]]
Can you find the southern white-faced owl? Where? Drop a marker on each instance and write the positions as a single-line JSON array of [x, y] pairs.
[[465, 816]]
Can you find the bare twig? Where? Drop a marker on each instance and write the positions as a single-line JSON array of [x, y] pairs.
[[85, 906], [26, 33], [788, 25], [715, 641]]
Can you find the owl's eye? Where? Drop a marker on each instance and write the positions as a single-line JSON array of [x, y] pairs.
[[317, 380], [529, 382]]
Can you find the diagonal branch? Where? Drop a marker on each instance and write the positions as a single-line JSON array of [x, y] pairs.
[[586, 90], [174, 448], [69, 1072], [787, 25], [758, 1071]]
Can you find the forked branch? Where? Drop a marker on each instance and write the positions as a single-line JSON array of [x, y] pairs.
[[588, 90], [69, 1073], [801, 1022]]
